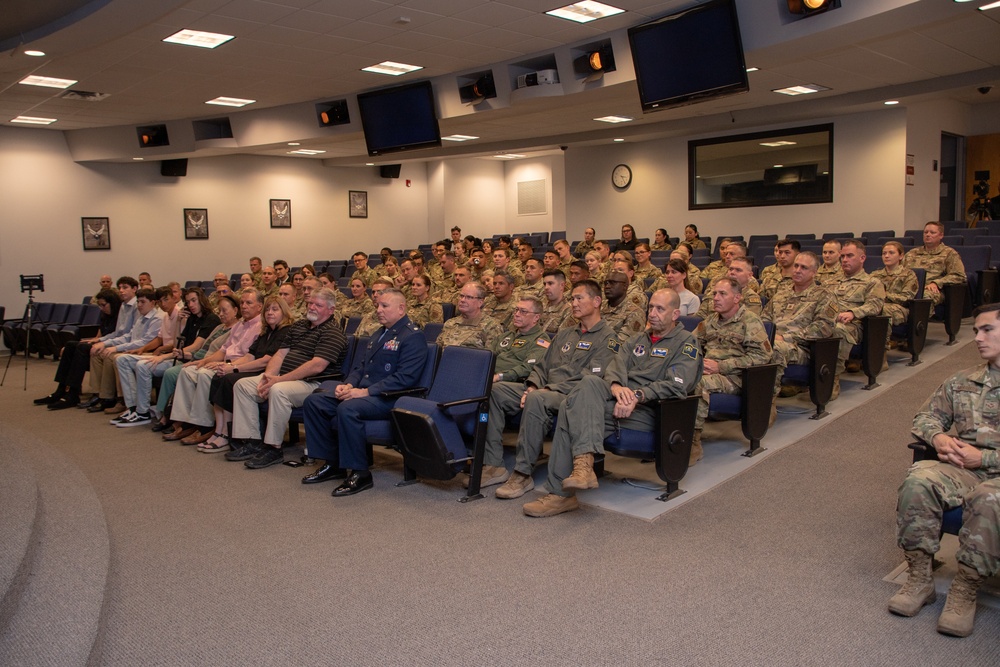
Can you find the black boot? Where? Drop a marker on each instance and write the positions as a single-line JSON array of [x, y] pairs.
[[70, 400], [53, 397]]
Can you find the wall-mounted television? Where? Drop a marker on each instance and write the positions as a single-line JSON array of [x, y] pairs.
[[689, 57], [397, 119]]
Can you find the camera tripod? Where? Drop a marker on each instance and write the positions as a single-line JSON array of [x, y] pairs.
[[28, 284], [978, 211]]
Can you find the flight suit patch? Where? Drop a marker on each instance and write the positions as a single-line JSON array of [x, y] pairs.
[[639, 350], [690, 350], [614, 345], [658, 352], [584, 345], [519, 342]]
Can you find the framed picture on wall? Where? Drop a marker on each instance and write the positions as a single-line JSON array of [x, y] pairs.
[[96, 233], [281, 213], [196, 223], [358, 202]]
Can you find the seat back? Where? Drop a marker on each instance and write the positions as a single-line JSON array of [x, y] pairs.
[[837, 235], [352, 325], [802, 237], [975, 257], [432, 330], [91, 316], [690, 322], [448, 309], [58, 315], [865, 236], [75, 314]]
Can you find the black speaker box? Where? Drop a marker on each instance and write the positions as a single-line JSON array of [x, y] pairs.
[[174, 167], [390, 170]]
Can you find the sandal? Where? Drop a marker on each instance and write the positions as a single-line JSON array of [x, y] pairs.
[[217, 443]]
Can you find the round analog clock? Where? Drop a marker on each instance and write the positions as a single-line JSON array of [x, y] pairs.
[[621, 176]]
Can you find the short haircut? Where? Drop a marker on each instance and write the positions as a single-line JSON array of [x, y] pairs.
[[382, 280], [561, 242], [808, 254], [127, 280], [449, 253], [480, 290], [457, 229], [500, 273], [600, 242], [145, 273], [392, 291], [536, 304], [147, 293], [255, 293], [280, 262], [580, 264], [505, 251], [937, 224], [555, 273], [365, 255], [732, 282], [164, 292], [532, 260], [987, 308], [743, 260], [504, 239], [796, 246], [525, 244], [840, 245], [325, 294], [257, 259], [591, 287], [857, 243]]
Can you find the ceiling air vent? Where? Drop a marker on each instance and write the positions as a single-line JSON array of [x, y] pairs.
[[84, 95]]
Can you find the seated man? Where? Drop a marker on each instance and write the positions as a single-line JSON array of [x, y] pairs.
[[731, 339], [620, 313], [830, 273], [943, 265], [967, 475], [858, 295], [500, 304], [143, 336], [335, 429], [312, 351], [557, 302], [471, 327], [779, 275], [584, 349], [661, 362]]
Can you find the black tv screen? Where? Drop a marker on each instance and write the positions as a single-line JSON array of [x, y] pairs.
[[688, 57], [399, 119]]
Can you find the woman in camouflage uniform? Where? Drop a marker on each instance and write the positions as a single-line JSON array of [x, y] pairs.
[[422, 309], [900, 283]]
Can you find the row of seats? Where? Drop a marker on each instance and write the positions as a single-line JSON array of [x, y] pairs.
[[52, 326]]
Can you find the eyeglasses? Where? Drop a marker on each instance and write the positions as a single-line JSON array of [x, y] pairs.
[[525, 311], [466, 296]]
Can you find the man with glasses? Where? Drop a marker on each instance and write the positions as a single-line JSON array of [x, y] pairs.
[[362, 270], [471, 327], [585, 349]]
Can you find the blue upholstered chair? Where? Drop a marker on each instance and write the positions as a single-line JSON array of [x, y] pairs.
[[951, 521], [818, 374]]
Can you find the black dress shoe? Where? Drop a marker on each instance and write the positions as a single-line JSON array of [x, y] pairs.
[[160, 426], [324, 473], [90, 402], [357, 481], [67, 401], [50, 399]]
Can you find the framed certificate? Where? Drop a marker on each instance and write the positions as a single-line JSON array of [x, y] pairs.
[[357, 200]]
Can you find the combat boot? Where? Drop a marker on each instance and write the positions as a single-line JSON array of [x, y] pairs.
[[836, 388], [919, 587], [696, 450], [583, 476], [959, 612]]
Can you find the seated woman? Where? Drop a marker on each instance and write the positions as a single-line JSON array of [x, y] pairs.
[[661, 240], [358, 305], [691, 237], [274, 327], [422, 309], [74, 360], [308, 271], [388, 267], [643, 267], [628, 240], [900, 283], [675, 276], [228, 313], [198, 322], [487, 247], [246, 280], [327, 280], [594, 263]]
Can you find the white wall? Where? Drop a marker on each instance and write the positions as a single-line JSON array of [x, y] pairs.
[[45, 193], [552, 170], [869, 161], [924, 124]]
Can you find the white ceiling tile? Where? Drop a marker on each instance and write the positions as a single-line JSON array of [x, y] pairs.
[[254, 10], [313, 21], [494, 14], [451, 28], [364, 31], [351, 10]]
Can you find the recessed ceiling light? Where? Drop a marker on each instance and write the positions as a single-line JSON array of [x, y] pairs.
[[46, 81], [992, 5], [804, 89], [33, 120], [230, 102], [614, 119], [508, 156], [752, 69], [369, 164], [460, 137], [204, 40], [889, 103], [294, 143], [618, 140], [778, 166], [305, 151], [138, 158], [585, 11], [33, 53], [775, 144], [391, 68], [960, 1]]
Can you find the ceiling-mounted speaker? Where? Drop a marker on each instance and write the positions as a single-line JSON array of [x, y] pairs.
[[174, 168], [390, 170], [811, 6], [333, 113], [599, 60], [151, 136], [483, 88]]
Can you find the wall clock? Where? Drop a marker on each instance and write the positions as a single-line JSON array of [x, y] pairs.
[[621, 176]]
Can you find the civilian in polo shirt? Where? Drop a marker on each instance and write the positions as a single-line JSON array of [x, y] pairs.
[[312, 352]]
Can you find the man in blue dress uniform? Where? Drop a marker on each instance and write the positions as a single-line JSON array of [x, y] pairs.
[[394, 359]]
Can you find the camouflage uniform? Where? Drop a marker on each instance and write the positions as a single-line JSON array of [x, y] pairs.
[[422, 313], [571, 355], [626, 319], [518, 352], [582, 248], [637, 295], [529, 290], [797, 317], [367, 275], [969, 401], [553, 315], [863, 295], [900, 287], [479, 334], [829, 276], [369, 324], [943, 266], [771, 280], [515, 273], [258, 279], [737, 343], [650, 271], [434, 270], [714, 271], [697, 244], [564, 265], [265, 292], [602, 272], [751, 301], [355, 307], [661, 246], [669, 368], [501, 312]]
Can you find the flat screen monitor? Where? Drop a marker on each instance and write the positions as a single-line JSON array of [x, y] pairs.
[[397, 119], [689, 57]]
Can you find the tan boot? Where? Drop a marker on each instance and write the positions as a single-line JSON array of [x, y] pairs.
[[696, 450], [515, 487], [919, 587], [582, 477], [491, 475], [551, 505], [836, 389], [960, 608], [774, 414]]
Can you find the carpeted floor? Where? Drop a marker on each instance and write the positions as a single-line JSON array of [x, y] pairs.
[[212, 564]]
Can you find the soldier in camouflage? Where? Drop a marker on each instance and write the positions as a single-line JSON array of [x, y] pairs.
[[858, 295], [585, 349], [966, 474], [587, 244], [556, 304], [501, 262], [661, 362], [644, 268], [471, 327], [423, 309], [829, 272], [943, 265], [369, 321], [618, 311], [500, 304], [532, 279], [362, 270], [732, 338], [801, 313], [741, 271], [636, 291], [717, 268], [779, 274], [900, 283]]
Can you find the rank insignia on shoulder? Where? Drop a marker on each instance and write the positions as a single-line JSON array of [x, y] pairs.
[[659, 352], [613, 344], [583, 345], [689, 350]]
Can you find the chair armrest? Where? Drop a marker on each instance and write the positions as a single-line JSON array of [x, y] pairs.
[[411, 391], [922, 451], [464, 401]]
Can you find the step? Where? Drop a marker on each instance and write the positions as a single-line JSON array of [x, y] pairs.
[[18, 525], [56, 617]]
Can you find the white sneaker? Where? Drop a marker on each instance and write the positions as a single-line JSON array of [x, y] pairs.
[[133, 419], [117, 420]]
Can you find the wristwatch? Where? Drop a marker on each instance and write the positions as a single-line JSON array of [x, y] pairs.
[[640, 395]]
